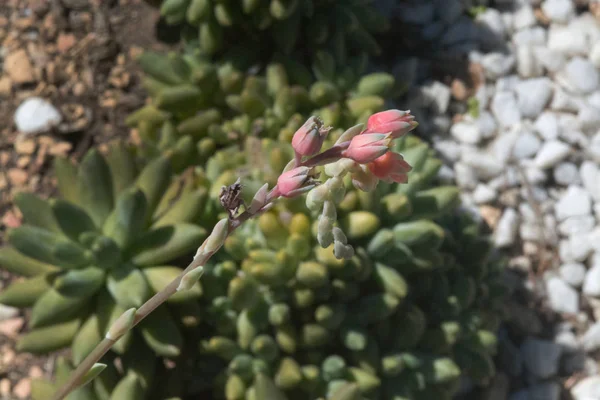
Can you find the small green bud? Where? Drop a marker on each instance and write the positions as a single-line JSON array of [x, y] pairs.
[[330, 315], [263, 346], [190, 278], [235, 389], [122, 325], [314, 335], [312, 274], [242, 366]]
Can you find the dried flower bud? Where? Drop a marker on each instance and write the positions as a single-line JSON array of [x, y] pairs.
[[259, 200], [189, 279], [122, 325]]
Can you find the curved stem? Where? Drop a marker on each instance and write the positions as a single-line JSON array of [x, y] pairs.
[[159, 298]]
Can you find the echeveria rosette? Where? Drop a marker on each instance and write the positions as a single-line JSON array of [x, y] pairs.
[[107, 245], [412, 310], [256, 29], [198, 107]]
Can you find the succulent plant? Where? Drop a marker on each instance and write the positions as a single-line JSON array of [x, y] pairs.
[[107, 245], [415, 308], [197, 107], [258, 27]]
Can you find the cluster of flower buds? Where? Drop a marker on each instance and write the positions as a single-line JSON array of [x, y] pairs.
[[363, 152]]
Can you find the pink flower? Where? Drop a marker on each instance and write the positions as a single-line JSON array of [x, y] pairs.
[[363, 179], [396, 122], [295, 181], [309, 138], [367, 147], [390, 167]]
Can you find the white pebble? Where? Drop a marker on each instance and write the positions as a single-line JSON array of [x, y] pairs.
[[560, 11], [573, 273], [527, 145], [533, 95], [524, 17], [574, 202], [466, 132], [505, 109], [487, 125], [36, 115], [552, 60], [484, 194], [590, 175], [547, 125], [561, 296], [595, 55], [566, 174], [528, 65], [566, 40], [551, 153], [506, 230], [497, 64], [589, 118], [591, 284], [465, 176], [485, 165], [582, 75], [575, 225]]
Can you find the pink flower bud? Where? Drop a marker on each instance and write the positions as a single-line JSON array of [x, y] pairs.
[[395, 122], [390, 167], [367, 147], [309, 138], [295, 181]]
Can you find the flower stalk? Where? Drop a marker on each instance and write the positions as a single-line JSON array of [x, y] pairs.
[[352, 154]]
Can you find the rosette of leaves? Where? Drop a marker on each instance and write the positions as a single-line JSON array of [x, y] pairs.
[[261, 27], [108, 244], [415, 309], [197, 107]]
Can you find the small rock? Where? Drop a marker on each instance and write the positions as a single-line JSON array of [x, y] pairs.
[[36, 115], [23, 388], [497, 64], [566, 173], [5, 86], [552, 60], [547, 125], [498, 388], [575, 225], [465, 176], [487, 125], [535, 36], [551, 153], [491, 19], [567, 340], [5, 388], [587, 389], [466, 132], [590, 176], [17, 177], [581, 75], [527, 145], [533, 95], [524, 17], [590, 340], [448, 149], [65, 42], [438, 95], [591, 284], [486, 166], [541, 357], [564, 39], [595, 55], [18, 67], [574, 202], [589, 118], [503, 146], [491, 215], [11, 327], [523, 319], [560, 11], [506, 230], [505, 109], [573, 273], [7, 312], [562, 297], [25, 146], [484, 194], [528, 65]]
